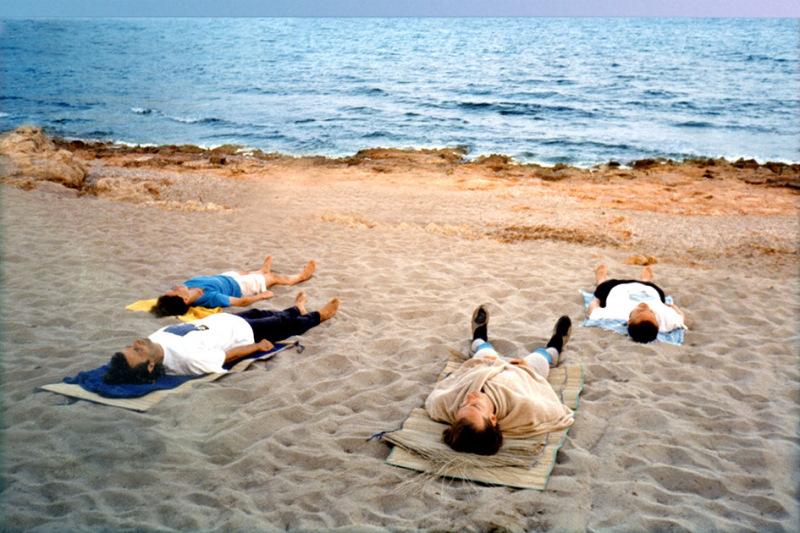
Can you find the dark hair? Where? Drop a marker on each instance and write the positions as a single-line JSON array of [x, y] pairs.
[[643, 332], [462, 436], [119, 371], [169, 306]]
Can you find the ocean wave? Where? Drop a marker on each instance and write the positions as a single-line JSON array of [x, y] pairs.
[[99, 134], [70, 120], [176, 118], [361, 110], [369, 91], [194, 120], [757, 58], [526, 109], [693, 124], [659, 93], [254, 136], [264, 91], [684, 105], [69, 105], [568, 141]]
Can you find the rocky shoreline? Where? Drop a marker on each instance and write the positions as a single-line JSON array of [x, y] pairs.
[[28, 155], [774, 174]]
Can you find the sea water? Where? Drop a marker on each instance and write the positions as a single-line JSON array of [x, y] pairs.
[[545, 90]]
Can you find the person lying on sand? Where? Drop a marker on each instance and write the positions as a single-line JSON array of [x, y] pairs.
[[489, 396], [203, 346], [230, 289], [641, 303]]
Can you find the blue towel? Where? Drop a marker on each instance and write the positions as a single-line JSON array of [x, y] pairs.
[[621, 326], [92, 380]]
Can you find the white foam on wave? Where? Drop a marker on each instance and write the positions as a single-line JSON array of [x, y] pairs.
[[186, 120], [183, 120], [133, 144]]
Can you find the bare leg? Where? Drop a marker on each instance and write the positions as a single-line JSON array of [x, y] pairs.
[[600, 274], [265, 268], [300, 302], [647, 273], [328, 310], [267, 265], [276, 279]]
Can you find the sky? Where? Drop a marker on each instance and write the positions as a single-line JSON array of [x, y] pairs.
[[398, 8]]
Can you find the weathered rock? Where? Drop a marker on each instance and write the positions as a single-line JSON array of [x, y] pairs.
[[746, 163], [495, 162], [27, 154], [124, 190], [641, 164], [54, 189]]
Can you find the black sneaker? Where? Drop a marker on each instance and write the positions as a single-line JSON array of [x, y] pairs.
[[480, 323], [561, 334]]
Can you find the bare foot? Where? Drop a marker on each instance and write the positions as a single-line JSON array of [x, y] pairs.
[[647, 273], [600, 274], [267, 265], [309, 269], [328, 310], [300, 302], [278, 279]]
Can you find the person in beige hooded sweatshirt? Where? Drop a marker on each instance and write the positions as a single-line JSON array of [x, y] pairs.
[[489, 396]]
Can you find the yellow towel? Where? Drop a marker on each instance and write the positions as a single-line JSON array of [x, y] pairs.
[[194, 313]]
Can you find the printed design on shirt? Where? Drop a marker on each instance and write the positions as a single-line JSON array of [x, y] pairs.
[[183, 329], [642, 296]]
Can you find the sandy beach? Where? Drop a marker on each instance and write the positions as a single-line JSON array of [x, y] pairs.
[[698, 437]]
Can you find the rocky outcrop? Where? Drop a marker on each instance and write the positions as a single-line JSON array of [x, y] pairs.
[[27, 156]]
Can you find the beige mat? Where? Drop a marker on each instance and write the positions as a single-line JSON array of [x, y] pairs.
[[143, 403], [520, 463]]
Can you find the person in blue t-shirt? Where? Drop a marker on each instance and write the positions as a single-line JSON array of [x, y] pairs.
[[229, 289]]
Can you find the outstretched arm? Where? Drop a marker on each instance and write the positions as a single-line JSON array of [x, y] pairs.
[[243, 351], [244, 301]]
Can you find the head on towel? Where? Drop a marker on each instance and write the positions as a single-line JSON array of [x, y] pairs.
[[174, 302], [475, 429], [142, 362], [642, 324]]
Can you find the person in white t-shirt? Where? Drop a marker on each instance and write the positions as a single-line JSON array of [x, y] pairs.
[[640, 302], [204, 346]]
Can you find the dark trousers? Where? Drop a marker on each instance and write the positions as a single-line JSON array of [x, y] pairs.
[[275, 326], [602, 290]]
